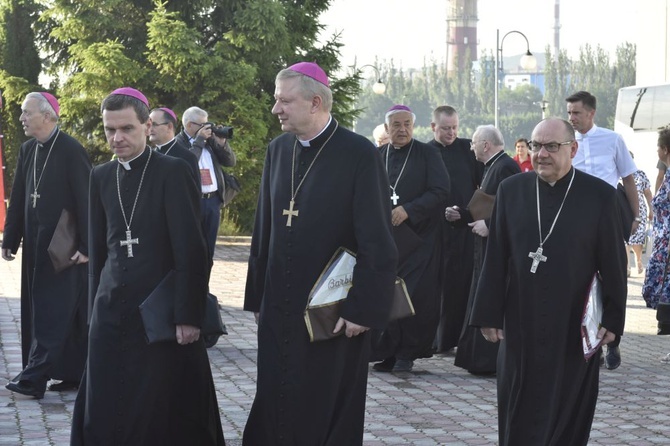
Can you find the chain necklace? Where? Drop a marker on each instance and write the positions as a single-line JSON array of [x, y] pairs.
[[395, 196], [537, 255], [290, 212], [37, 181], [174, 141], [130, 241]]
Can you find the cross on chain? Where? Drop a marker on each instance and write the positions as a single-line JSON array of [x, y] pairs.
[[35, 196], [395, 198], [537, 258], [129, 242], [290, 212]]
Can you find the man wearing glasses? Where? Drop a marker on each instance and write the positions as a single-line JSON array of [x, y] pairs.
[[212, 152], [550, 233], [162, 137], [603, 154]]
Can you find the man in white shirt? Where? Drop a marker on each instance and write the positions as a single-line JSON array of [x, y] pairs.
[[603, 154]]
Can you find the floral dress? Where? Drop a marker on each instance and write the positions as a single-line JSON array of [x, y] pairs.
[[656, 286], [641, 184]]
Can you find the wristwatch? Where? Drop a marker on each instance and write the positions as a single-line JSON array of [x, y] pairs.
[[638, 219]]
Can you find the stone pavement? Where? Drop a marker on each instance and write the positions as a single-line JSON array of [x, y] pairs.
[[438, 404]]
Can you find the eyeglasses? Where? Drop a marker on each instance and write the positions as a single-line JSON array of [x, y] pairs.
[[158, 124], [474, 143], [550, 147]]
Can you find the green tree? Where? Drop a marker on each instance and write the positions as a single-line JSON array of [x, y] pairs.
[[221, 55]]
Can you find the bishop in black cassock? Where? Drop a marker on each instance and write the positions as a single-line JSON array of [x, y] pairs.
[[474, 353], [419, 186], [135, 393], [53, 175], [465, 175], [538, 315], [313, 393]]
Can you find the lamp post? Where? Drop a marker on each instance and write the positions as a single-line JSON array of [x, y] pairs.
[[528, 62], [378, 87], [543, 106]]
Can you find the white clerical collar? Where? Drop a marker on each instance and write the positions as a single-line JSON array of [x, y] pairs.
[[494, 158], [306, 143], [160, 146], [126, 164]]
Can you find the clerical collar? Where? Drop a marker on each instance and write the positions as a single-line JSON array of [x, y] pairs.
[[494, 158], [446, 145], [402, 147], [317, 140], [561, 181], [160, 146], [127, 164], [51, 135]]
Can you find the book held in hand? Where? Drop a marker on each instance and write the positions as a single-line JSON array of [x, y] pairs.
[[63, 243], [481, 205], [592, 318], [332, 288]]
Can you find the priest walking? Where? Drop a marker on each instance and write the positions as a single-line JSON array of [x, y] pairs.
[[323, 187], [51, 177], [418, 191], [474, 353], [144, 223], [540, 262]]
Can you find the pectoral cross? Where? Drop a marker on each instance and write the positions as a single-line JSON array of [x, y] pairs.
[[290, 212], [35, 196], [395, 198], [129, 242], [537, 258]]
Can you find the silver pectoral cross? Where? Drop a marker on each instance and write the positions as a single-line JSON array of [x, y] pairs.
[[395, 198], [129, 242], [35, 196], [537, 258], [290, 212]]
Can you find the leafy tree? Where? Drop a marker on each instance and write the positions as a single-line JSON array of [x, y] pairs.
[[221, 55]]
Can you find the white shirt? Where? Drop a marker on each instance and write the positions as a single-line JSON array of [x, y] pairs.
[[603, 154], [205, 162]]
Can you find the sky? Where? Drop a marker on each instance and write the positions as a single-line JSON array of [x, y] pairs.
[[411, 31]]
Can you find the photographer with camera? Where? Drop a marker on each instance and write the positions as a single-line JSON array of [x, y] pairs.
[[210, 145]]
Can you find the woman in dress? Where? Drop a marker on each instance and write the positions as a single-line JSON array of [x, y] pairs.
[[638, 238], [656, 288], [522, 156]]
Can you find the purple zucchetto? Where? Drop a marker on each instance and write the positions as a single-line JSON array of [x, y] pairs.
[[311, 69], [399, 108], [53, 102], [132, 92], [169, 112]]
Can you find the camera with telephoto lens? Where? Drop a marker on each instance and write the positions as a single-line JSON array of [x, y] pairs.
[[220, 130]]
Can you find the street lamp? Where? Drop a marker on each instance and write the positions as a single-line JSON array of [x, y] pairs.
[[543, 106], [528, 63], [378, 87]]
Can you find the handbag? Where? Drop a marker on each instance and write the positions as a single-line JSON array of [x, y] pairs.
[[231, 189], [157, 312], [663, 318]]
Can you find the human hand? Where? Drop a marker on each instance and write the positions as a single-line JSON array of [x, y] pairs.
[[79, 258], [452, 214], [187, 334], [492, 334], [7, 254], [350, 329], [479, 228], [605, 335], [398, 215]]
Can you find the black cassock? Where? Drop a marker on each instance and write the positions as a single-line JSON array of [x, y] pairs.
[[134, 393], [422, 189], [53, 306], [312, 394], [547, 392], [474, 353], [465, 174]]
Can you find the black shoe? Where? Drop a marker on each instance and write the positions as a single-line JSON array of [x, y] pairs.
[[63, 386], [403, 365], [385, 366], [25, 388], [612, 358]]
